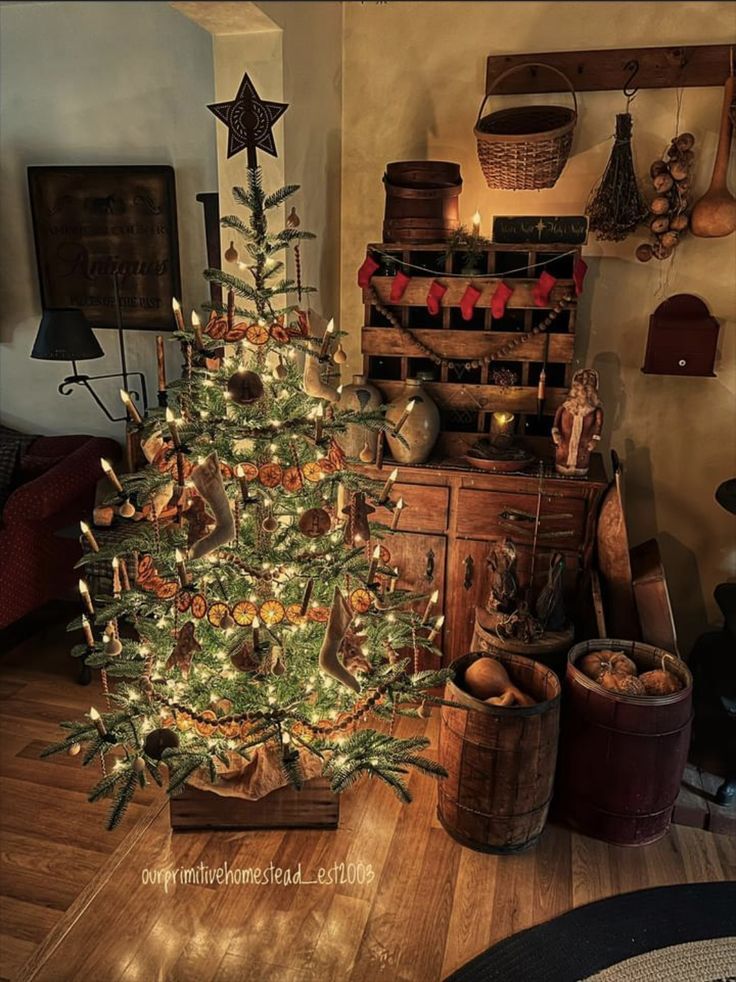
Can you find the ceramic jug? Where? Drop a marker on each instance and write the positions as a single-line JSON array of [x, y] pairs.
[[417, 418], [361, 396]]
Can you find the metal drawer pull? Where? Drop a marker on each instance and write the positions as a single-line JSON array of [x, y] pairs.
[[469, 565], [525, 516], [429, 569]]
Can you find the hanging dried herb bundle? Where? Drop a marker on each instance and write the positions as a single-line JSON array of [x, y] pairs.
[[616, 206]]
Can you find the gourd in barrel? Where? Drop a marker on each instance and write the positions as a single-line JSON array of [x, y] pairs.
[[499, 747]]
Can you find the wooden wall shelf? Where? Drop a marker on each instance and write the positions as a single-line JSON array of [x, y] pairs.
[[595, 71], [467, 396]]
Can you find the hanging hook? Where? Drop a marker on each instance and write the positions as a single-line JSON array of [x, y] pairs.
[[633, 67]]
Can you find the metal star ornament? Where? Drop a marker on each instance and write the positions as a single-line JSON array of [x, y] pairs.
[[250, 121]]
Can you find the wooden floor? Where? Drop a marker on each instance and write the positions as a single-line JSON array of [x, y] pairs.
[[431, 905]]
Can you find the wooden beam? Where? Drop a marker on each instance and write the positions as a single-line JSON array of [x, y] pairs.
[[594, 71], [465, 345]]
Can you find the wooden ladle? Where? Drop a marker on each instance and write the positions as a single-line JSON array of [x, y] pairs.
[[715, 214]]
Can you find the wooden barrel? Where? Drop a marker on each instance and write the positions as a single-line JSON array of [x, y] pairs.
[[500, 761], [421, 200], [622, 757], [550, 650]]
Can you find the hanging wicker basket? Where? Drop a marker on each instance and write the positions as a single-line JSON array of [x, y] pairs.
[[525, 148]]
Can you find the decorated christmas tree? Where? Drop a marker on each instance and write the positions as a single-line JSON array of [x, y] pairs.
[[253, 627]]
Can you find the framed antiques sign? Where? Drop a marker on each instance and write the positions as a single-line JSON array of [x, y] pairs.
[[90, 223]]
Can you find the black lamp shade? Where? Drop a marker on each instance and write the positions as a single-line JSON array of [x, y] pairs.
[[64, 334]]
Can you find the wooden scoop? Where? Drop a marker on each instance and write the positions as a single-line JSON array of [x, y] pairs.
[[715, 214]]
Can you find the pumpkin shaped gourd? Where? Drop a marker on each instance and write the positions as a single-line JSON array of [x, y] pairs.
[[660, 682], [597, 663], [627, 685]]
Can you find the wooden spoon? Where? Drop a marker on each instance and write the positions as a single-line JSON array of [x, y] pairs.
[[715, 214]]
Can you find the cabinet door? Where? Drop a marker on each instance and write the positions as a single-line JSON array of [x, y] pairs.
[[467, 583], [421, 563]]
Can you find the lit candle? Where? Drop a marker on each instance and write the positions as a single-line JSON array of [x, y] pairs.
[[430, 604], [130, 406], [436, 629], [397, 514], [256, 634], [160, 363], [243, 483], [394, 580], [404, 416], [388, 485], [307, 597], [84, 594], [476, 223], [88, 635], [374, 564], [115, 576], [502, 424], [319, 417], [178, 316], [197, 328], [98, 722], [110, 474], [327, 339], [171, 423], [89, 536], [542, 385], [181, 568]]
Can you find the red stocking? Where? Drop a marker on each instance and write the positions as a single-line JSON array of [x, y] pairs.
[[366, 271], [578, 274], [499, 300], [543, 288], [436, 293], [468, 301], [399, 285]]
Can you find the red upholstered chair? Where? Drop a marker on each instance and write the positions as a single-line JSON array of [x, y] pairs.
[[54, 488]]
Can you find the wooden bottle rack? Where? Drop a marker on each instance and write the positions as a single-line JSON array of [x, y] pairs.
[[467, 399]]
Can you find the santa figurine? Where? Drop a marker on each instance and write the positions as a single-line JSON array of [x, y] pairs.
[[578, 424]]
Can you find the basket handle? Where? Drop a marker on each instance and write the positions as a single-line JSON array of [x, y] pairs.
[[517, 68]]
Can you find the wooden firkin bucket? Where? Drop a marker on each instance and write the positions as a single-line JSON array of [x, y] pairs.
[[550, 650], [500, 761], [421, 200], [622, 757]]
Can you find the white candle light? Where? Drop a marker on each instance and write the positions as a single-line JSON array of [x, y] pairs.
[[388, 485], [178, 316], [89, 536], [436, 629], [476, 223], [404, 416], [430, 604], [171, 423], [327, 338], [374, 564], [98, 722], [131, 407], [197, 328], [181, 568], [110, 474], [397, 514], [86, 598]]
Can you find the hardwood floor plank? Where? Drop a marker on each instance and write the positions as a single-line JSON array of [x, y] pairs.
[[469, 930]]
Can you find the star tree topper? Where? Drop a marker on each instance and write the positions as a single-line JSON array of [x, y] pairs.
[[250, 121]]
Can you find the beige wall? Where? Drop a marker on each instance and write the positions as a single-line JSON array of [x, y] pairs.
[[413, 79], [94, 83]]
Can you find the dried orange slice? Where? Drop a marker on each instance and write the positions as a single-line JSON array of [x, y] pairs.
[[272, 612], [320, 615], [236, 333], [183, 722], [292, 479], [216, 612], [146, 569], [183, 602], [244, 612], [294, 614], [270, 475], [216, 327], [257, 334], [326, 465], [312, 471], [249, 471], [230, 730], [383, 554], [361, 600], [205, 728], [279, 334], [226, 471], [199, 606], [167, 589]]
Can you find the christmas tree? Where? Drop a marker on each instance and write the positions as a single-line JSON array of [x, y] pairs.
[[252, 611]]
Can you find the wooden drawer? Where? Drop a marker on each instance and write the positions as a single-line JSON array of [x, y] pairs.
[[480, 513], [425, 508]]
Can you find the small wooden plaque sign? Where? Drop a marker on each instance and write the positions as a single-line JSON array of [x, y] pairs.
[[92, 222], [560, 229]]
